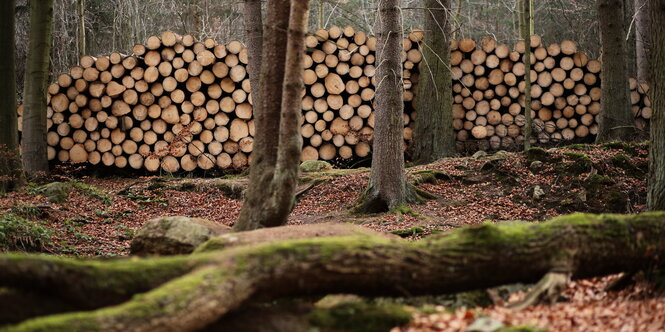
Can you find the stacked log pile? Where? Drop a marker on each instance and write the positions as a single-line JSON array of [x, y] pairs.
[[488, 88], [180, 104]]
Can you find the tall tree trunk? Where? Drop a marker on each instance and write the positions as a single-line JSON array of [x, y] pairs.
[[253, 21], [10, 162], [434, 134], [388, 188], [656, 193], [616, 120], [525, 32], [34, 154], [81, 35], [274, 171], [629, 37], [207, 286], [642, 39]]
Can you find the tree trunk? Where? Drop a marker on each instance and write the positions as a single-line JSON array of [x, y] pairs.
[[616, 121], [274, 171], [434, 136], [631, 43], [34, 154], [525, 31], [388, 187], [10, 162], [253, 20], [656, 193], [81, 36], [642, 39], [215, 283]]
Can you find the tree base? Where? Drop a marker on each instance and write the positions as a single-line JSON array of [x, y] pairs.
[[371, 201]]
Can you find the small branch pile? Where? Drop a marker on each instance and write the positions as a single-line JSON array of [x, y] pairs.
[[179, 104]]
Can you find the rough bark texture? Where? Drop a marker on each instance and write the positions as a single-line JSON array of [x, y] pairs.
[[81, 35], [434, 134], [274, 170], [525, 32], [631, 43], [656, 193], [470, 258], [253, 20], [616, 120], [10, 163], [387, 187], [34, 153], [642, 39]]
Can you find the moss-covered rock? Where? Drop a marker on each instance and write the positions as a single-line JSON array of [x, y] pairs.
[[618, 145], [538, 154], [57, 192], [429, 176], [595, 182], [578, 147], [174, 235], [314, 166], [407, 232], [576, 163]]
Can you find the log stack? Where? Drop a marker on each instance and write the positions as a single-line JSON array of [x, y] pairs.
[[488, 88], [178, 104]]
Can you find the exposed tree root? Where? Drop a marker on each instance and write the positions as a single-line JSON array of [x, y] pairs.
[[547, 290]]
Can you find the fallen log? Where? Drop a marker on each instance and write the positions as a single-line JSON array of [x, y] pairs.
[[214, 283]]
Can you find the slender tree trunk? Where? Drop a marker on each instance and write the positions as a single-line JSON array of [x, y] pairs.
[[10, 162], [207, 286], [616, 120], [387, 186], [253, 20], [631, 43], [656, 193], [642, 38], [434, 134], [274, 171], [81, 36], [525, 32], [34, 154]]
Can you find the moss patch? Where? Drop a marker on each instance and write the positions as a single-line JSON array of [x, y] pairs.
[[407, 232], [576, 164], [360, 316], [536, 153]]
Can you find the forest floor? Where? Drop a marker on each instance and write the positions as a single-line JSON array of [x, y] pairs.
[[100, 215]]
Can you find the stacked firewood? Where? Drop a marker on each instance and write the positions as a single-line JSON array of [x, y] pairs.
[[180, 104], [488, 88]]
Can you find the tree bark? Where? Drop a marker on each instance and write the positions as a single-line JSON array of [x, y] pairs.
[[631, 43], [616, 120], [656, 193], [525, 31], [274, 171], [581, 245], [81, 35], [387, 187], [434, 136], [34, 154], [253, 20], [10, 162], [642, 39]]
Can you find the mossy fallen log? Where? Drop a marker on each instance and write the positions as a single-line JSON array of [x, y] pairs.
[[203, 287]]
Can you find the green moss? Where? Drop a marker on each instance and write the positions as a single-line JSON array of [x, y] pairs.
[[56, 192], [403, 209], [536, 153], [315, 166], [429, 176], [579, 147], [618, 145], [186, 187], [615, 200], [360, 316], [626, 163], [407, 232], [230, 189], [577, 164], [596, 181]]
